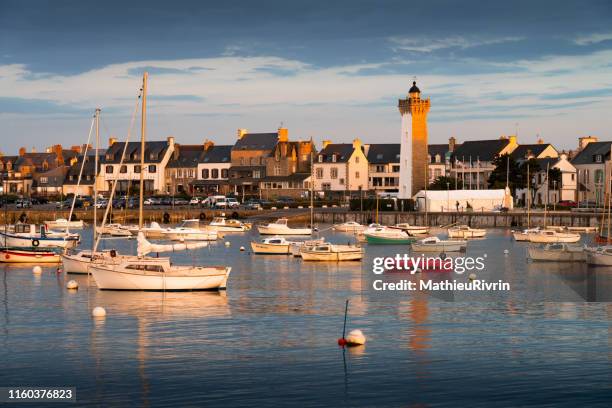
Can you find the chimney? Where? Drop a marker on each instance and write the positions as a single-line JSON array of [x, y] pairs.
[[283, 134], [540, 141], [22, 151], [242, 132], [171, 140], [585, 140], [451, 144], [326, 143], [77, 149], [512, 139], [208, 144], [59, 154], [112, 141], [356, 143], [33, 149]]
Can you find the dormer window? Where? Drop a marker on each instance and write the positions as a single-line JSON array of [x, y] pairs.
[[152, 156], [438, 158], [379, 156], [334, 158], [320, 158], [598, 158], [109, 156]]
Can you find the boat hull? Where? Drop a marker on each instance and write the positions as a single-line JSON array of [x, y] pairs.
[[458, 247], [380, 240], [64, 224], [109, 278], [17, 255], [548, 239], [198, 236], [265, 230], [540, 254], [597, 258], [356, 255], [23, 241], [466, 234], [270, 249]]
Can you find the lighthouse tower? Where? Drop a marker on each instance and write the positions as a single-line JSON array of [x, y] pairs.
[[413, 152]]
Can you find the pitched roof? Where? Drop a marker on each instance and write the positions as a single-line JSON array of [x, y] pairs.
[[185, 156], [483, 150], [55, 177], [536, 149], [217, 154], [257, 141], [343, 152], [590, 151], [154, 152], [89, 172], [382, 153], [36, 160], [440, 149]]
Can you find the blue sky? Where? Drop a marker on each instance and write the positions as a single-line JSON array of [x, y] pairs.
[[325, 69]]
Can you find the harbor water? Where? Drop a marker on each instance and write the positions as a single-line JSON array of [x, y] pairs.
[[270, 339]]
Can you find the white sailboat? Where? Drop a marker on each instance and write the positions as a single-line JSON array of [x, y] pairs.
[[189, 230], [465, 231], [524, 234], [412, 229], [331, 252], [114, 230], [557, 252], [222, 224], [349, 226], [551, 236], [435, 244], [64, 223], [280, 227]]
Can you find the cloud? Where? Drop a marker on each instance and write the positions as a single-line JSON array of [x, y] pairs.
[[428, 45], [593, 38]]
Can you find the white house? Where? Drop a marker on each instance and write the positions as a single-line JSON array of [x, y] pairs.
[[341, 169], [213, 169]]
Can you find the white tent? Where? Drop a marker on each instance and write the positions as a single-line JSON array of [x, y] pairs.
[[451, 200]]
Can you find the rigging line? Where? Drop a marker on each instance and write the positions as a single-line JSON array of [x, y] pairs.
[[114, 187], [80, 174]]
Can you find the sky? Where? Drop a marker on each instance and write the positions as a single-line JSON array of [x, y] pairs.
[[323, 69]]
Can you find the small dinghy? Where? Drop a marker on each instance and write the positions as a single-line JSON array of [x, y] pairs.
[[557, 252], [465, 231], [331, 252]]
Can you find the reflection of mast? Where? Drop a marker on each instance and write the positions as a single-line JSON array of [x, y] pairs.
[[142, 359], [419, 312]]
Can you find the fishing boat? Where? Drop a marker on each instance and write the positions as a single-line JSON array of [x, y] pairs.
[[280, 227], [387, 236], [29, 235], [157, 274], [114, 230], [29, 255], [599, 256], [412, 229], [524, 234], [190, 230], [435, 244], [64, 223], [222, 224], [552, 236], [465, 231], [557, 252], [349, 226], [331, 252]]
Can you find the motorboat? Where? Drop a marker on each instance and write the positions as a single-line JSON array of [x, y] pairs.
[[158, 274], [280, 227], [465, 231], [30, 235], [64, 223], [114, 230], [388, 236], [29, 255], [280, 245], [349, 226], [550, 236], [189, 234], [222, 224], [557, 252], [599, 256], [412, 229], [153, 231], [524, 234], [331, 252], [435, 244]]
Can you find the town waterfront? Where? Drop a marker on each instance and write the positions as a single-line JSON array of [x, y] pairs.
[[270, 339]]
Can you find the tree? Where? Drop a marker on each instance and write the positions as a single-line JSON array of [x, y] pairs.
[[443, 183], [506, 171], [554, 178], [521, 182]]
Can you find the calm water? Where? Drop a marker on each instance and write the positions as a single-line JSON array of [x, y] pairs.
[[271, 338]]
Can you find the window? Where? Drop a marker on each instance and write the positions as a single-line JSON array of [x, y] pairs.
[[224, 173], [357, 159], [334, 173], [341, 181], [356, 174], [320, 158], [438, 158], [395, 169], [573, 176], [123, 169], [598, 158], [319, 173], [179, 173], [380, 168], [43, 180], [137, 168], [333, 158], [326, 186], [204, 173], [109, 169], [242, 161], [190, 173], [214, 173], [256, 174], [152, 168], [277, 170]]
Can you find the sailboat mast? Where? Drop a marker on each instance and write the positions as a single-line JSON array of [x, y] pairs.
[[427, 182], [95, 189], [609, 196], [528, 197], [311, 190], [547, 194], [143, 127]]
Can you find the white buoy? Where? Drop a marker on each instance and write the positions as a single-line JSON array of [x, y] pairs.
[[242, 248], [506, 252], [355, 338], [72, 284], [37, 270], [98, 311], [472, 276], [227, 244]]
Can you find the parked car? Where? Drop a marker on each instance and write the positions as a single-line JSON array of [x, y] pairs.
[[102, 203], [180, 201], [567, 204], [587, 204], [23, 203], [252, 205], [195, 200], [166, 201], [231, 202], [152, 201]]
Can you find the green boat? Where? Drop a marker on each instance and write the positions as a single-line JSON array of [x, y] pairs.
[[388, 236]]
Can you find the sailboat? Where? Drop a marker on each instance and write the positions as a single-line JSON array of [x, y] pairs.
[[280, 227], [155, 274], [602, 255]]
